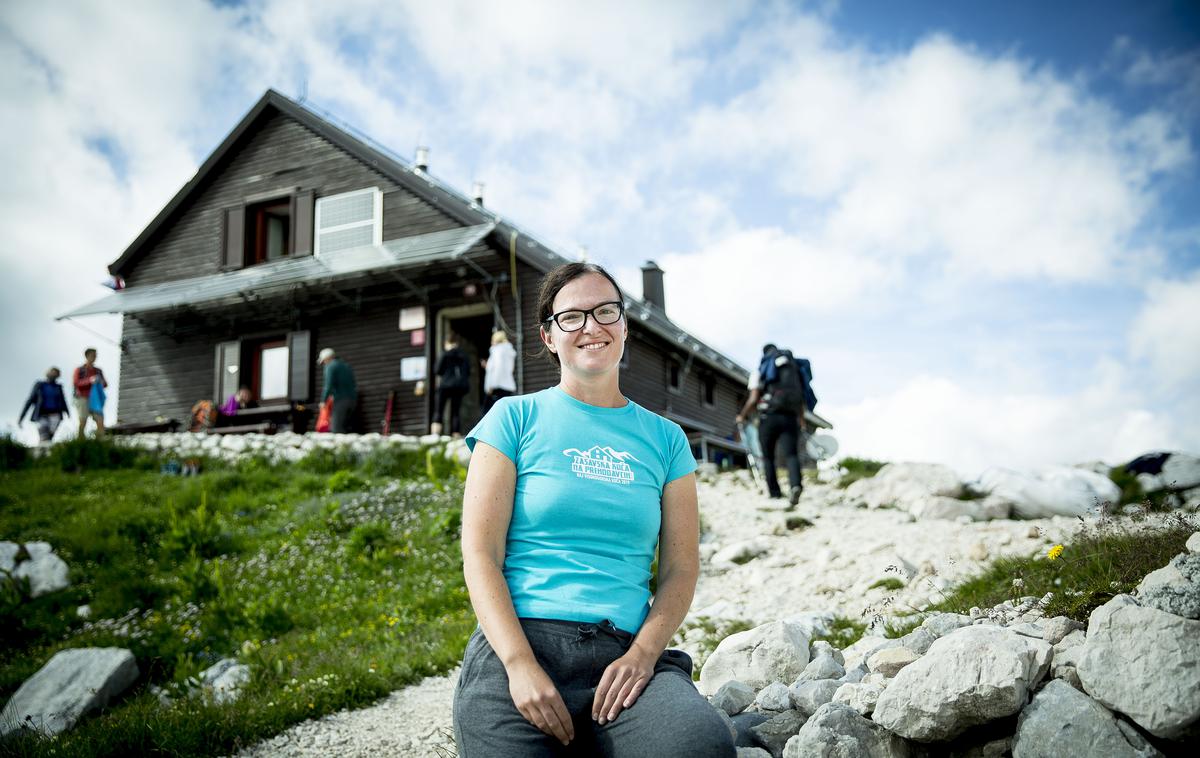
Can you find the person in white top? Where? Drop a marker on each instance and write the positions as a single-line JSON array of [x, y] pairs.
[[498, 379]]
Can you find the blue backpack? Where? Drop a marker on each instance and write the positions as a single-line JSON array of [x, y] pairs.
[[787, 383]]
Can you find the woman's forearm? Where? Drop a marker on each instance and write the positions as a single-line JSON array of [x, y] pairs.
[[494, 608], [671, 603]]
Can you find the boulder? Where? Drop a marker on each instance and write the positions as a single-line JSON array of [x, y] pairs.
[[861, 697], [8, 555], [822, 667], [70, 685], [1058, 491], [866, 645], [918, 640], [822, 647], [752, 752], [1159, 687], [838, 731], [45, 571], [774, 697], [951, 508], [733, 697], [810, 695], [1063, 721], [777, 651], [969, 677], [743, 723], [1180, 471], [776, 732], [1056, 629], [1193, 543], [889, 662], [1065, 666], [1174, 588], [902, 485], [225, 679]]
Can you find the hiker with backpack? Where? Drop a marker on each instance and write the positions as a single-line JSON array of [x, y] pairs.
[[453, 372], [781, 392]]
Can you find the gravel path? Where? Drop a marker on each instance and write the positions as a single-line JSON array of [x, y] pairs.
[[827, 566]]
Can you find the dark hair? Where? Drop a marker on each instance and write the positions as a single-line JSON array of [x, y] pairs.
[[560, 277], [769, 348], [89, 350]]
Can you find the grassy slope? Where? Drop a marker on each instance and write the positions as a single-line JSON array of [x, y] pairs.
[[338, 580]]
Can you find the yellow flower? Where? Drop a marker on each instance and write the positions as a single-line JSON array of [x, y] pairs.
[[1055, 552]]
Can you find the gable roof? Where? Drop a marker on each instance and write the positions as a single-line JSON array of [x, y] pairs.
[[505, 235]]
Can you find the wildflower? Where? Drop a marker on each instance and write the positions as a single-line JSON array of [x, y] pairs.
[[1018, 583], [1055, 552]]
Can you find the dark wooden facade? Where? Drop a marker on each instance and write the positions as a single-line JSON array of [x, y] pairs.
[[170, 356]]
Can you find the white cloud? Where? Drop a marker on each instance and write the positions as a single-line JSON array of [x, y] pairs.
[[1167, 332], [934, 418]]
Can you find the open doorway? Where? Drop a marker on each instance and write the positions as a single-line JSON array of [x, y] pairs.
[[473, 326]]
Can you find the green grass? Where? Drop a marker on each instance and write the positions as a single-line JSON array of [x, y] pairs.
[[1105, 559], [889, 583], [843, 632], [858, 468], [337, 579]]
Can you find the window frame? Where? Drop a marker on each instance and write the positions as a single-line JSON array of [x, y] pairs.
[[708, 390], [376, 221], [254, 250], [252, 351], [674, 375]]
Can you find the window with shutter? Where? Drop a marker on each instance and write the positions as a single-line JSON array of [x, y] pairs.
[[300, 355], [227, 373], [349, 220]]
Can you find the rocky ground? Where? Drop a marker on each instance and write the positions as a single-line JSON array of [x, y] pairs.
[[760, 563]]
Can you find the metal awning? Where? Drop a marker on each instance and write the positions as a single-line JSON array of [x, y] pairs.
[[280, 277]]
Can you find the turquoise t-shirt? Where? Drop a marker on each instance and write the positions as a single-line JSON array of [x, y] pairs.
[[588, 503]]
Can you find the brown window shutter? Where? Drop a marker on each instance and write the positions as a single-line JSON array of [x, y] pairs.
[[302, 223], [227, 370], [234, 238], [300, 370]]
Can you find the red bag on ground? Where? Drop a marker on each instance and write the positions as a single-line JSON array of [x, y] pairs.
[[325, 416]]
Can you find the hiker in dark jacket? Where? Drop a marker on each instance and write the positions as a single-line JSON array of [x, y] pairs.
[[780, 394], [49, 406], [454, 381], [340, 385]]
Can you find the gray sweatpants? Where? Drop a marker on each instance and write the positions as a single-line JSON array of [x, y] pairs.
[[670, 718]]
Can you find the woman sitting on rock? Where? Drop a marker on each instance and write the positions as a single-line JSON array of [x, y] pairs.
[[568, 493]]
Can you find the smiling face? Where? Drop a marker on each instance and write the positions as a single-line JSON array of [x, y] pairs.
[[596, 348]]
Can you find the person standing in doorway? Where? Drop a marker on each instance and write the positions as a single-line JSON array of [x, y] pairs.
[[498, 379], [454, 380], [88, 380], [340, 385], [49, 405]]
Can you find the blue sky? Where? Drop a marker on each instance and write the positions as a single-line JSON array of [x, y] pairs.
[[977, 219]]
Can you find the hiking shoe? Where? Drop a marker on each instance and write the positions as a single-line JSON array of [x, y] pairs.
[[794, 496]]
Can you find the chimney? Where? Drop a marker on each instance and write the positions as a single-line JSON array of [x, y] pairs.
[[421, 163], [477, 193], [652, 286]]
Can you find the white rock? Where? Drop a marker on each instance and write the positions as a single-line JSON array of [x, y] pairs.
[[226, 685], [774, 697], [822, 667], [861, 697], [838, 731], [941, 624], [45, 571], [889, 662], [774, 733], [866, 645], [1055, 630], [71, 684], [822, 647], [1159, 688], [733, 697], [969, 677], [903, 484], [1174, 588], [752, 752], [8, 555], [742, 552], [1062, 721], [808, 696], [952, 509], [918, 640], [1193, 543], [1058, 491], [777, 651], [813, 623]]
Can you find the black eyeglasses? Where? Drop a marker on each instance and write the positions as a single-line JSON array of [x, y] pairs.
[[573, 320]]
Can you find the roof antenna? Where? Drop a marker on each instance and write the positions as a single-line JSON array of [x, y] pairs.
[[303, 90]]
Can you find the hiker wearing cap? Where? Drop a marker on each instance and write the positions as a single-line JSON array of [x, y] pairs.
[[340, 385], [49, 405]]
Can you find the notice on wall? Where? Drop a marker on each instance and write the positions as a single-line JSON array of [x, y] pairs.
[[412, 318], [418, 337], [412, 369]]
